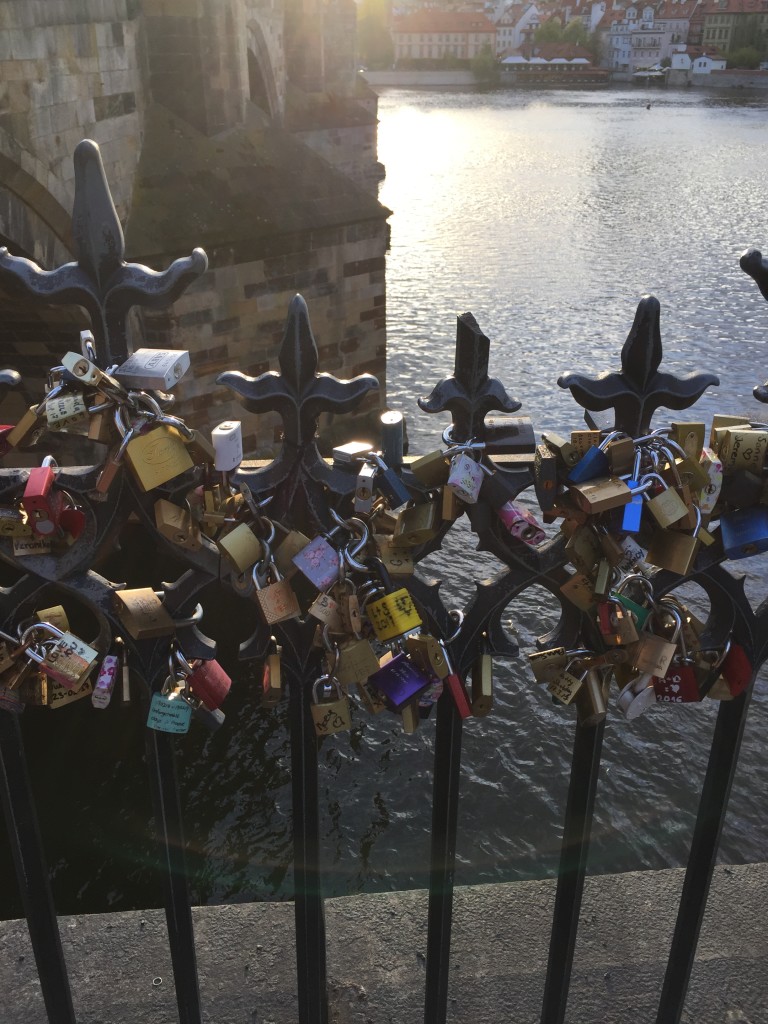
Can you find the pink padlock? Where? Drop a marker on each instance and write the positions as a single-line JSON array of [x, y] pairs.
[[521, 524]]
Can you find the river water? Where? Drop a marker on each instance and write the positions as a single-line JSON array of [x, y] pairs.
[[548, 215]]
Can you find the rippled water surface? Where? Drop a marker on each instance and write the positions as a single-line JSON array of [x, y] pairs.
[[548, 216]]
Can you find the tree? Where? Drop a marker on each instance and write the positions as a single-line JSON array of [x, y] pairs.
[[485, 67], [575, 32], [550, 32], [374, 40], [746, 57]]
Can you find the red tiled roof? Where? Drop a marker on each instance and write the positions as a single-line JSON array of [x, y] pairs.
[[670, 11], [735, 7], [433, 20]]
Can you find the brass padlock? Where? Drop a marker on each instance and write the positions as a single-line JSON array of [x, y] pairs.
[[432, 469], [272, 677], [601, 494], [591, 708], [410, 717], [357, 661], [177, 525], [329, 716], [667, 507], [373, 699], [417, 524], [291, 545], [583, 548], [396, 558], [546, 665], [690, 436], [427, 653], [241, 546], [583, 440], [143, 614], [565, 685], [578, 590], [56, 615], [482, 685], [274, 595]]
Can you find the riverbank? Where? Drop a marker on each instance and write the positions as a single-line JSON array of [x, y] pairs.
[[121, 972], [413, 79]]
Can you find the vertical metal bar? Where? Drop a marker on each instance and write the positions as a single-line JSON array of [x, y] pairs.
[[178, 912], [308, 897], [32, 873], [723, 757], [579, 811], [445, 808]]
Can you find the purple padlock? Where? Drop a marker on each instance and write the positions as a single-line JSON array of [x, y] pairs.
[[521, 524], [400, 682], [319, 562]]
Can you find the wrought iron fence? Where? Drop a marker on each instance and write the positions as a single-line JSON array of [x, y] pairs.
[[643, 510]]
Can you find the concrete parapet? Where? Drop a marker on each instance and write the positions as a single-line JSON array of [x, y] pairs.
[[120, 965]]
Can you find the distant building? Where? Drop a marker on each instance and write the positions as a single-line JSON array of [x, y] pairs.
[[697, 62], [515, 26], [721, 18], [642, 37], [432, 34]]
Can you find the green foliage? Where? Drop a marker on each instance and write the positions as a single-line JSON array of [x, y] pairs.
[[485, 67], [550, 32], [574, 32], [748, 35], [374, 41], [747, 57]]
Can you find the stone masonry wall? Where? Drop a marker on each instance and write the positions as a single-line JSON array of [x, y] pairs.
[[70, 70], [351, 150], [233, 318]]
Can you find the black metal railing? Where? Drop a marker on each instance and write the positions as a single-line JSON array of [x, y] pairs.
[[325, 498]]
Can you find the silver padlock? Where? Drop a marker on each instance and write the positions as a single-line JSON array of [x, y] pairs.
[[153, 369], [228, 444]]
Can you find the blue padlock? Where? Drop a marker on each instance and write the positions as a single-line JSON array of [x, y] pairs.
[[745, 531], [593, 463], [400, 681]]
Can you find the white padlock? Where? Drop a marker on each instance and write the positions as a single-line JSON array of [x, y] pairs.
[[153, 369], [228, 444]]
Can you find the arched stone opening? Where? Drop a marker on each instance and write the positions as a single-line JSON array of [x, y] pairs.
[[261, 77]]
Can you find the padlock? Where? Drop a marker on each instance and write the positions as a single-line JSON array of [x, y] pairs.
[[744, 449], [578, 590], [592, 461], [565, 685], [329, 716], [71, 520], [293, 542], [241, 546], [59, 695], [105, 681], [744, 532], [23, 547], [616, 625], [152, 369], [742, 488], [272, 676], [427, 653], [62, 655], [636, 697], [41, 502], [364, 489], [349, 454], [85, 371], [583, 549], [200, 449], [326, 610], [521, 523], [455, 686], [600, 494], [143, 613], [652, 654], [319, 562], [639, 611], [667, 507], [431, 470], [545, 477], [357, 662], [177, 525], [508, 435], [56, 615], [451, 506], [65, 411], [100, 420], [388, 483], [410, 718], [482, 684], [546, 665], [690, 436], [621, 455], [30, 422], [465, 477], [13, 523], [713, 467], [591, 707], [168, 710], [736, 669], [678, 686], [397, 559], [157, 456], [400, 681], [227, 440], [673, 550], [417, 523], [720, 421], [392, 615], [206, 680], [274, 595]]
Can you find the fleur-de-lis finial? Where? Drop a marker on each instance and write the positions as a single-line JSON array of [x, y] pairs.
[[469, 393], [298, 394], [639, 388], [100, 279], [753, 262]]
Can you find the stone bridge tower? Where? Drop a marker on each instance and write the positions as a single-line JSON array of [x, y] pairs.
[[238, 125]]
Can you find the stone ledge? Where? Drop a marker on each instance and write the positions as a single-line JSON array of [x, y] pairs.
[[376, 957]]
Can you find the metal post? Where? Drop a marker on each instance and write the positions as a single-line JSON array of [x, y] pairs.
[[178, 913], [445, 812], [308, 897], [577, 831], [32, 873], [723, 758]]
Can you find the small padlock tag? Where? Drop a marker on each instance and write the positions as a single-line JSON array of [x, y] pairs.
[[105, 681], [66, 410], [565, 686], [169, 713]]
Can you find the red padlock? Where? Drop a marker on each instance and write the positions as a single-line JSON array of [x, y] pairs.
[[41, 502], [456, 686], [736, 669], [679, 685], [208, 682]]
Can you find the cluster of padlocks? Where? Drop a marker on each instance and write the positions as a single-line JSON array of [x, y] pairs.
[[628, 507], [631, 507]]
